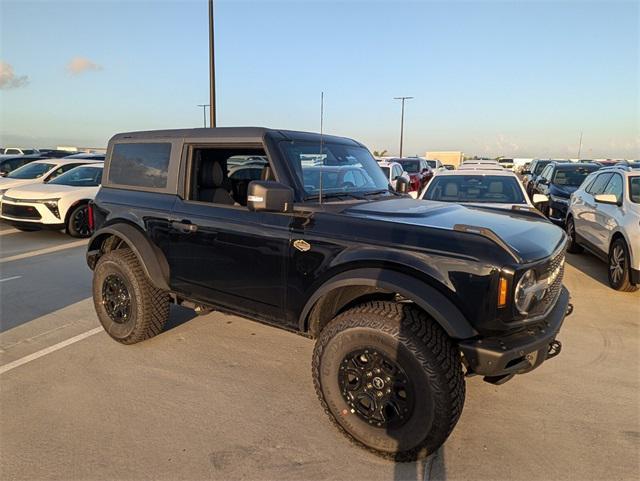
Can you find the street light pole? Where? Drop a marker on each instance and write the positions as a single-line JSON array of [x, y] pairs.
[[402, 120], [204, 113], [212, 71]]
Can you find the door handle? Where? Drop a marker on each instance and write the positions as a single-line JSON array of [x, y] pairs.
[[184, 225]]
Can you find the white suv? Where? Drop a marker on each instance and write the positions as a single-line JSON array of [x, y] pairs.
[[604, 217]]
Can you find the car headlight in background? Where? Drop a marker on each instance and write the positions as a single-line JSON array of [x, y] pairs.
[[525, 291], [52, 205], [559, 200]]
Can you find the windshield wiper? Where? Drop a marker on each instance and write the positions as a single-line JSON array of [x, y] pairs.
[[333, 195]]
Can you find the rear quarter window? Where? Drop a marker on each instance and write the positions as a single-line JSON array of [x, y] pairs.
[[140, 164]]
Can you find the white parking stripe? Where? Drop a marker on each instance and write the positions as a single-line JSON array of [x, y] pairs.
[[10, 278], [8, 231], [47, 250], [48, 350]]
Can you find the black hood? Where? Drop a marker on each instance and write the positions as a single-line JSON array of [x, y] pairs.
[[530, 237]]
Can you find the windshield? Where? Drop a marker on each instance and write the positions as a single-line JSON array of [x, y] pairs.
[[571, 177], [411, 166], [634, 189], [475, 188], [343, 168], [432, 163], [386, 170], [31, 171], [80, 177], [540, 166]]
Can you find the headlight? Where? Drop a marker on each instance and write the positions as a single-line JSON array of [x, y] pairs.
[[559, 200], [524, 293], [52, 205]]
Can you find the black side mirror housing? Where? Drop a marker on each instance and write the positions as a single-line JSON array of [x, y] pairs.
[[402, 185], [4, 174], [269, 196]]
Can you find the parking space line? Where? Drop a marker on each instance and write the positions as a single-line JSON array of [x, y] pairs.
[[48, 350], [10, 278], [8, 231], [47, 250]]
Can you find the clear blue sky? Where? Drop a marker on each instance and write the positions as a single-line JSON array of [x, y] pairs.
[[489, 78]]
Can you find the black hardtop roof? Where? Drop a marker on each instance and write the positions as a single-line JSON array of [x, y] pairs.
[[242, 134]]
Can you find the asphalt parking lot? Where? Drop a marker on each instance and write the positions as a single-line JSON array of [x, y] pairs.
[[220, 397]]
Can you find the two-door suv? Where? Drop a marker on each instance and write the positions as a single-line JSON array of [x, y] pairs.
[[403, 297]]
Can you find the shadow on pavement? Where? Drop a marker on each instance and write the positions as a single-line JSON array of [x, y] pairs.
[[590, 265], [177, 316], [430, 469]]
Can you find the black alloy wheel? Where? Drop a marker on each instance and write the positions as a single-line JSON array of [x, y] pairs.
[[376, 388], [116, 298]]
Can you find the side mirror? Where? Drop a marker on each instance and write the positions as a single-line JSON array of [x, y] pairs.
[[526, 172], [402, 185], [269, 196], [606, 199], [539, 199], [3, 174]]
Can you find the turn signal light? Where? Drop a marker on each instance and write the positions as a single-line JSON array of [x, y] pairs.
[[502, 292]]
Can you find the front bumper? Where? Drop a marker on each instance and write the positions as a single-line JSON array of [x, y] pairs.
[[500, 358], [32, 215]]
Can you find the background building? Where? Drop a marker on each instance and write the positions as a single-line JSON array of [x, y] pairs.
[[446, 157]]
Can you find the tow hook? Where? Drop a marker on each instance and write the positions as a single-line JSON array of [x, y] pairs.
[[569, 309], [554, 349]]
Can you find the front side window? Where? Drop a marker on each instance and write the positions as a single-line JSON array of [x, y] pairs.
[[140, 164], [599, 184], [338, 168], [614, 187], [386, 171], [61, 170], [31, 171], [475, 188], [546, 173], [539, 166], [634, 189], [80, 177]]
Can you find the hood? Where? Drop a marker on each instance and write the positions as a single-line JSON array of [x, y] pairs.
[[531, 238], [46, 191], [562, 190], [8, 183]]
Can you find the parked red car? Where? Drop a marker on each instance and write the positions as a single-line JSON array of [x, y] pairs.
[[419, 172]]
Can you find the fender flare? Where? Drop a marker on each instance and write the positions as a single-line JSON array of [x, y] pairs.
[[152, 260], [436, 304]]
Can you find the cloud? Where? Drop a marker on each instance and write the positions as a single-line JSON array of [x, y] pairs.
[[9, 80], [79, 65]]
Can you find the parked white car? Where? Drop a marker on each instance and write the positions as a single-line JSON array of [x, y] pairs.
[[393, 170], [604, 217], [489, 187], [59, 204], [39, 171]]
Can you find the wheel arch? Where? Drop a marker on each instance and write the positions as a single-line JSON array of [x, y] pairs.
[[152, 260], [349, 287]]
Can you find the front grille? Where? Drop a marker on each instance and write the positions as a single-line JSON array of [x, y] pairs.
[[555, 267], [20, 211]]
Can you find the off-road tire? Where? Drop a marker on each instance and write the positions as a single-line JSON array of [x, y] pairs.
[[624, 283], [422, 348], [572, 246], [149, 306]]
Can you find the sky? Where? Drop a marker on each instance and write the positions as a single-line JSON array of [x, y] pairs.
[[516, 79]]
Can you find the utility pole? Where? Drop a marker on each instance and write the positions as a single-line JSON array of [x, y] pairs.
[[204, 113], [402, 120], [580, 147], [212, 71]]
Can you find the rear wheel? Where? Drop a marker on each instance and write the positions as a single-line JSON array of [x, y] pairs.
[[390, 379], [78, 222], [572, 247], [129, 308], [620, 267]]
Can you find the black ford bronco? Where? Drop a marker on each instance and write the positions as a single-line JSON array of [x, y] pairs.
[[403, 297]]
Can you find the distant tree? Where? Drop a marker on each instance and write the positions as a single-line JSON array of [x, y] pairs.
[[379, 154]]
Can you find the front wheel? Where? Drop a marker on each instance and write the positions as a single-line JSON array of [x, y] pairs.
[[129, 308], [390, 379], [620, 267], [78, 222]]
